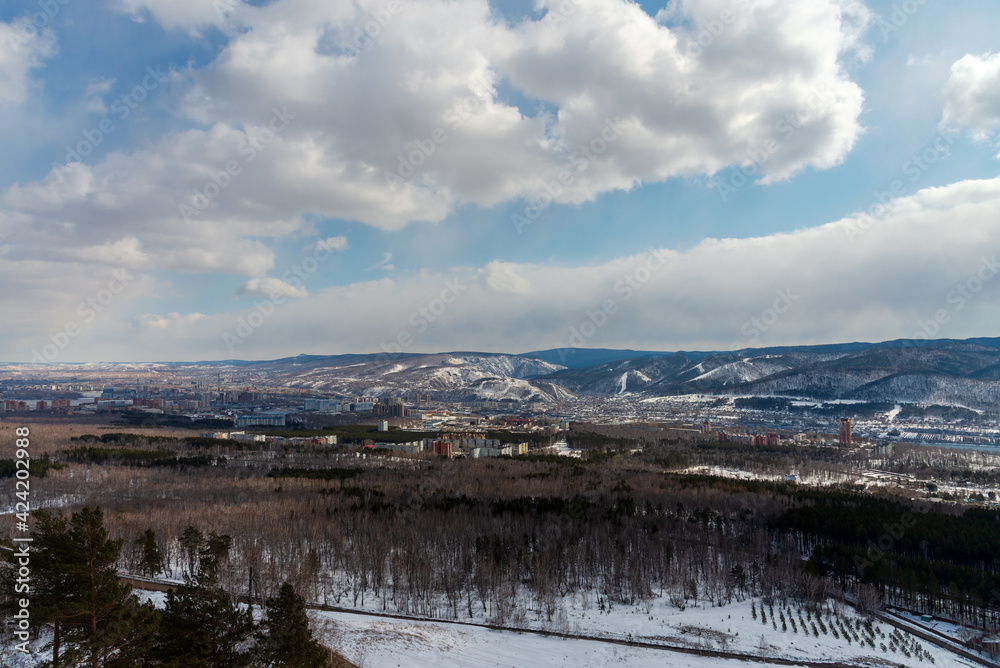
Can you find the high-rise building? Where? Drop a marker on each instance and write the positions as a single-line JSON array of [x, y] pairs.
[[391, 407], [322, 405], [845, 431], [261, 420]]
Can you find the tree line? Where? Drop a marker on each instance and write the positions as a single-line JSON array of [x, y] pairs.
[[504, 538], [98, 621]]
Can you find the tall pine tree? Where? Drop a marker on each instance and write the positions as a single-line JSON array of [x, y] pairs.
[[99, 618], [201, 626], [150, 559], [286, 640], [192, 541], [53, 592]]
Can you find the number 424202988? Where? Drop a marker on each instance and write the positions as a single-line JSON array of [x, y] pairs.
[[22, 463]]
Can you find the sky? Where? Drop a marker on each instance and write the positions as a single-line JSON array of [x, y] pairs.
[[190, 180]]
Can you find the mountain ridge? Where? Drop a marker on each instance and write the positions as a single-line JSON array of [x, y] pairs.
[[948, 371]]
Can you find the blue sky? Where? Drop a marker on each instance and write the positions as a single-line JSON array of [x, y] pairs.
[[550, 86]]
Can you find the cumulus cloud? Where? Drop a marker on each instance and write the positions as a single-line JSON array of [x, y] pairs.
[[351, 111], [624, 100], [972, 95], [23, 47], [904, 271], [271, 288], [443, 105]]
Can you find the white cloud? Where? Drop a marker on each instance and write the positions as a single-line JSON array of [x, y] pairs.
[[332, 244], [384, 263], [972, 95], [271, 288], [296, 127], [188, 15], [441, 69], [168, 321], [506, 277], [96, 90], [296, 120], [907, 270], [23, 47]]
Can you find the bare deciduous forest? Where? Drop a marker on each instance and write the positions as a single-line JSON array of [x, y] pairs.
[[494, 537]]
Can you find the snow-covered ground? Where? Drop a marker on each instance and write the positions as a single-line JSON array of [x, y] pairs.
[[388, 643], [731, 628], [374, 643], [738, 628], [817, 478], [958, 634], [562, 448], [949, 629], [11, 658]]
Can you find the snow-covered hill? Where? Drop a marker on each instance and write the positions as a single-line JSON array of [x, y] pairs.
[[449, 376], [961, 373]]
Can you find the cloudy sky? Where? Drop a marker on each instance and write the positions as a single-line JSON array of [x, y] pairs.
[[217, 179]]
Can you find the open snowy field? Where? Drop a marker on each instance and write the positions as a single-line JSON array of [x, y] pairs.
[[373, 642], [378, 643], [732, 628]]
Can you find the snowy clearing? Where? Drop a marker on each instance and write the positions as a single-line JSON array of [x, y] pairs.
[[376, 642]]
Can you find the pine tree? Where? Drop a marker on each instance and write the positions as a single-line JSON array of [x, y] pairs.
[[192, 541], [98, 617], [288, 641], [52, 590], [201, 626], [216, 548], [151, 561]]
